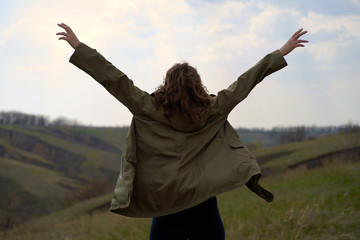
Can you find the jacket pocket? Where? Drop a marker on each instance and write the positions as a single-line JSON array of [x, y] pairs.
[[238, 153], [236, 144]]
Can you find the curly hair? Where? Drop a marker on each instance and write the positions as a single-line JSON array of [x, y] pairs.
[[183, 93]]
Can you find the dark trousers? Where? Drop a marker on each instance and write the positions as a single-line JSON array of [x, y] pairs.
[[197, 223]]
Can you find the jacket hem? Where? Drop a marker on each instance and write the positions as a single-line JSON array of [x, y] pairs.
[[125, 212]]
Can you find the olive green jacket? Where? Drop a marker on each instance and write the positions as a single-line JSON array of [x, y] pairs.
[[169, 165]]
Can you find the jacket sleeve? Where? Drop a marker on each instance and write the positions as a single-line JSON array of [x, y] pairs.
[[228, 98], [114, 80]]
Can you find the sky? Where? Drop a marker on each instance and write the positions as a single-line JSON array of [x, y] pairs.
[[221, 38]]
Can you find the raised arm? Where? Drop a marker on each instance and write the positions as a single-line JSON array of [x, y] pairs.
[[104, 72], [228, 98]]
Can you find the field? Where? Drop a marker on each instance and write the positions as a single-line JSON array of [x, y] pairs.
[[320, 200], [316, 204]]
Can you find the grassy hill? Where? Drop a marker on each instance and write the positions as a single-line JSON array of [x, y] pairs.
[[319, 204], [43, 169], [316, 184], [311, 153]]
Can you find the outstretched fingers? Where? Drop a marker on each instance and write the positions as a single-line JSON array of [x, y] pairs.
[[68, 35], [299, 43], [300, 34], [295, 38], [61, 33], [294, 42], [296, 33], [65, 27]]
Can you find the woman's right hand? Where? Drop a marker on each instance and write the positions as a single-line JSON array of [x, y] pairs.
[[68, 35], [293, 42]]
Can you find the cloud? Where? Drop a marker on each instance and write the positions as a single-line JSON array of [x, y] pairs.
[[144, 38], [331, 34]]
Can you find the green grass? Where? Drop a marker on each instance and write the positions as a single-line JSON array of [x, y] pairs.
[[94, 157], [319, 204], [113, 136], [316, 204], [45, 135], [301, 151], [41, 182], [17, 151], [309, 204]]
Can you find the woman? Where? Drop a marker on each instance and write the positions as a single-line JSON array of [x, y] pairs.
[[180, 151]]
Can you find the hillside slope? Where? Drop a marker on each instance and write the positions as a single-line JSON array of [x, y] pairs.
[[316, 203], [43, 169], [309, 154]]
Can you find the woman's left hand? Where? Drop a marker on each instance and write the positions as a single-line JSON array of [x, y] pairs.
[[293, 42], [68, 35]]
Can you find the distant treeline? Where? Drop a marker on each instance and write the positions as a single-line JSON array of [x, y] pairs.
[[273, 136], [19, 118], [258, 137]]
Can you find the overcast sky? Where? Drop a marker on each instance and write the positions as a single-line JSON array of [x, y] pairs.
[[222, 39]]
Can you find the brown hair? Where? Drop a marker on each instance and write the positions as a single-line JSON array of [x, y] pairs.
[[183, 93]]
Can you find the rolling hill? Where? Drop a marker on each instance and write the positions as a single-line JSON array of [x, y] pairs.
[[49, 169], [43, 169]]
